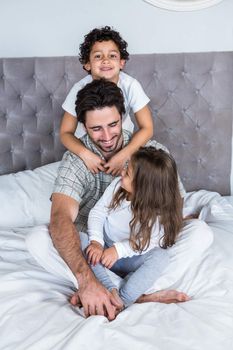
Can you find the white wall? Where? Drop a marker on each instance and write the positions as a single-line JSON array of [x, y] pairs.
[[57, 27]]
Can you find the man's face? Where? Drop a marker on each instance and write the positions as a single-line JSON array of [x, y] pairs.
[[105, 130], [105, 61]]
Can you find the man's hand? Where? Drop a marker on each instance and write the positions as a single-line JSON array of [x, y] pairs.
[[95, 298], [109, 257], [116, 163], [93, 162], [94, 252]]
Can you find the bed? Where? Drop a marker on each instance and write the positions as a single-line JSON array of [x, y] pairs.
[[191, 101]]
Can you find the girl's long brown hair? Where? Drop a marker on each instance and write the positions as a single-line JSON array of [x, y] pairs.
[[155, 196]]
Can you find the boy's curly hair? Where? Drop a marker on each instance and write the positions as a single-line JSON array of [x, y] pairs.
[[102, 34]]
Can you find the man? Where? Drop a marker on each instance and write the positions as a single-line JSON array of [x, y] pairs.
[[99, 107]]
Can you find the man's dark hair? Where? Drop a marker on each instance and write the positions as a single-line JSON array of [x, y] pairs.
[[97, 95], [102, 34]]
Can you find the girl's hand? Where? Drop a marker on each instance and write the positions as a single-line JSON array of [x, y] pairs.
[[109, 257], [94, 252], [116, 164], [93, 162]]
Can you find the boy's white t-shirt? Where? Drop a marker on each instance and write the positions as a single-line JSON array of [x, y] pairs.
[[134, 97]]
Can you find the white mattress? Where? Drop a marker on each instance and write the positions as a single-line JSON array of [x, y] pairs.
[[35, 313]]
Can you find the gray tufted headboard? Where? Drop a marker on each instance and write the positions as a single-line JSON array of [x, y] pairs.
[[191, 100]]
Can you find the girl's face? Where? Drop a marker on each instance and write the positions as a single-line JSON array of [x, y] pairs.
[[127, 178]]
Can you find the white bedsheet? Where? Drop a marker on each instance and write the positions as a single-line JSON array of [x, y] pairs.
[[35, 313]]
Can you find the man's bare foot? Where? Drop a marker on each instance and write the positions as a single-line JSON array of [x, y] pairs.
[[75, 300], [119, 302], [164, 296]]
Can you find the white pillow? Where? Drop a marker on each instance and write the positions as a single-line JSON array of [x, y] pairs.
[[25, 197]]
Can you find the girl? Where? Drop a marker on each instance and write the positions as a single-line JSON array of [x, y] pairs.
[[133, 223]]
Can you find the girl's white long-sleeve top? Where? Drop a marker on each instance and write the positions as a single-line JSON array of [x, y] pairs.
[[115, 224]]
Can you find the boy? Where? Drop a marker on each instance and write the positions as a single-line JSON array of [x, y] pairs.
[[103, 55]]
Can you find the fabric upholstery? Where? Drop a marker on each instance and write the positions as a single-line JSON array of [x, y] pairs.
[[191, 101]]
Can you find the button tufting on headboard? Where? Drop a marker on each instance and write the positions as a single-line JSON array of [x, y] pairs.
[[191, 101]]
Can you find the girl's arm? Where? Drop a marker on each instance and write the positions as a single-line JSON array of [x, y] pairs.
[[125, 250], [99, 213], [96, 219], [68, 126], [140, 138]]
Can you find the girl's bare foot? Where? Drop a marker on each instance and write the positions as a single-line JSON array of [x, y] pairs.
[[164, 296], [120, 304]]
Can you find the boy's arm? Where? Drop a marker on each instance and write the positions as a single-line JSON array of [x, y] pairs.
[[145, 130], [67, 129], [68, 126], [139, 138]]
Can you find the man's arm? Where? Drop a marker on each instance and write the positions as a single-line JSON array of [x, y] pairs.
[[95, 299]]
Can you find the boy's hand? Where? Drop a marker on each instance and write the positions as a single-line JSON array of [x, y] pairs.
[[109, 257], [116, 164], [93, 162], [94, 252]]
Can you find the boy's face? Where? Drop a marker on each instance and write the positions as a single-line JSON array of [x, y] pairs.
[[105, 61]]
